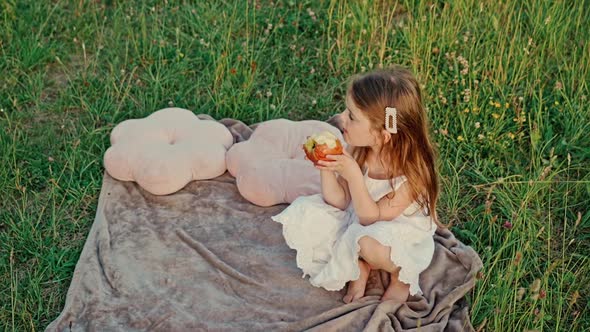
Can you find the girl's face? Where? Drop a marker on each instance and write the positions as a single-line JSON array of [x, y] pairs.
[[356, 127]]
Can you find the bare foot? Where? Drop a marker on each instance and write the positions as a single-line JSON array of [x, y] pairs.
[[397, 290], [374, 284], [356, 288]]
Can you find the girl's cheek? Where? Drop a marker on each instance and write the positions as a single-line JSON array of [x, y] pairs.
[[342, 123]]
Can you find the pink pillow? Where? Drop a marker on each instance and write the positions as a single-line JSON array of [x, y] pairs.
[[270, 167], [168, 149]]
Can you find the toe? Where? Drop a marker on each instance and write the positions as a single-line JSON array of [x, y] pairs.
[[347, 298]]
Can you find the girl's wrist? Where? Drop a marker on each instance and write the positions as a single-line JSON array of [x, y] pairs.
[[327, 175], [357, 174]]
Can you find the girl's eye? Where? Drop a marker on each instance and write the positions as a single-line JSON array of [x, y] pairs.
[[350, 115]]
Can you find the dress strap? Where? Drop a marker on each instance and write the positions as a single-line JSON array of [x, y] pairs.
[[399, 181]]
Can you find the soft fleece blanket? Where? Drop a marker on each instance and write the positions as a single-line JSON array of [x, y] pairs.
[[204, 258]]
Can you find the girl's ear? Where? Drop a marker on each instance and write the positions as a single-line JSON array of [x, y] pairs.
[[386, 136]]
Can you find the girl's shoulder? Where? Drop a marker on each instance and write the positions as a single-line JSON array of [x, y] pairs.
[[379, 173], [389, 182]]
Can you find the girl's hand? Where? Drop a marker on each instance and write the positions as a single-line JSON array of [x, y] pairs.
[[344, 164]]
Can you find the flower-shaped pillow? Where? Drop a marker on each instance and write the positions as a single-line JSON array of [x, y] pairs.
[[168, 149], [270, 167]]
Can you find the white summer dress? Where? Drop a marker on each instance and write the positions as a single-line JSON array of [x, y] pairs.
[[326, 238]]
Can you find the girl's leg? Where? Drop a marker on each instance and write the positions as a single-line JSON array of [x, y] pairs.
[[356, 288], [397, 290], [378, 256]]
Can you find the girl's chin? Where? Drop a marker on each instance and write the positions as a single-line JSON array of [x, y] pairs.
[[348, 143]]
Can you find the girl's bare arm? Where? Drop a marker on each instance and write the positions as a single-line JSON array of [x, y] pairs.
[[370, 211], [334, 190]]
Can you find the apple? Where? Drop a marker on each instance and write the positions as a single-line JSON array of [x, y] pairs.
[[318, 146]]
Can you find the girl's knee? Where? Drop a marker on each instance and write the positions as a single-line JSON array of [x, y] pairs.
[[369, 249], [366, 244], [375, 254]]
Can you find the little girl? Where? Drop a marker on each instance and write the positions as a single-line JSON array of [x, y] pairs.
[[377, 209]]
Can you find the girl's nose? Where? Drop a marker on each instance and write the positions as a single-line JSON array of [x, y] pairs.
[[343, 116], [342, 120]]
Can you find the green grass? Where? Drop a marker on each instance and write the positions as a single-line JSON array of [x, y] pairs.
[[505, 84]]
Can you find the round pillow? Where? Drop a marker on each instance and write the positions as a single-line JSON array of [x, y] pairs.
[[270, 167], [168, 149]]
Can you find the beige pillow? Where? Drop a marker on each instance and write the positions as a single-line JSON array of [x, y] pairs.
[[270, 167], [168, 149]]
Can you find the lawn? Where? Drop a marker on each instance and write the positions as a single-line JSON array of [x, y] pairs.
[[505, 85]]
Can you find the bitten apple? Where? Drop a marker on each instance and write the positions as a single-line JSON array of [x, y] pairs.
[[318, 146]]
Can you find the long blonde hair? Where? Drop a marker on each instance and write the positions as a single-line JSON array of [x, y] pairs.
[[409, 151]]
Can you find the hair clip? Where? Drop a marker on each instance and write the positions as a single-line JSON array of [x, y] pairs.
[[391, 119]]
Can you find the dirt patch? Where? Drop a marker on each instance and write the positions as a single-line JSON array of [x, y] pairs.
[[57, 77]]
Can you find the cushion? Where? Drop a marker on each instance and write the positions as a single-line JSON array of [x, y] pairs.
[[270, 167], [168, 149]]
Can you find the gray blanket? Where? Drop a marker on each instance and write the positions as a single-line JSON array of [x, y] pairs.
[[204, 258]]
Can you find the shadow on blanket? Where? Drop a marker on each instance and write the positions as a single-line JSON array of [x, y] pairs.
[[204, 258]]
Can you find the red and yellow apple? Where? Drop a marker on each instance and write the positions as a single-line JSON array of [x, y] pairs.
[[318, 146]]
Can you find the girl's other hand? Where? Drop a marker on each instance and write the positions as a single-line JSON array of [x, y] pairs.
[[344, 164]]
